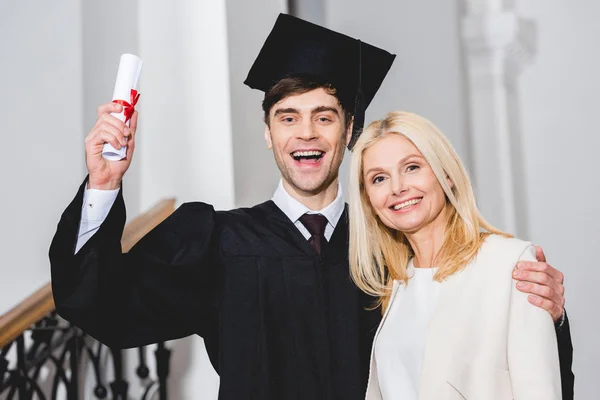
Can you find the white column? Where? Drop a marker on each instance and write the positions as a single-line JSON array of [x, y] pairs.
[[184, 141], [493, 56], [184, 137]]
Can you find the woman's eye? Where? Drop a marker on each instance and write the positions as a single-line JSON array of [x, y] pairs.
[[412, 167], [378, 179]]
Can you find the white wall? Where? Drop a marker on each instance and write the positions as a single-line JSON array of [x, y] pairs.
[[559, 108], [185, 132], [310, 10], [256, 174], [427, 76], [106, 35], [41, 129]]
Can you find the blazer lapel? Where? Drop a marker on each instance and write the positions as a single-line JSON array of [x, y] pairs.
[[373, 391]]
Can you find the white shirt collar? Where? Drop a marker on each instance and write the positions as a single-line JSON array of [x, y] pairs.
[[294, 209]]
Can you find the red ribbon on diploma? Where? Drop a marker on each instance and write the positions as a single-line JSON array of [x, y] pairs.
[[129, 108]]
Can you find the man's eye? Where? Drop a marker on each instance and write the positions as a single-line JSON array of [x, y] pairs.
[[324, 119], [288, 120]]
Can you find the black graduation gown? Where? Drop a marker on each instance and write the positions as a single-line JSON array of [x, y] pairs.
[[279, 322]]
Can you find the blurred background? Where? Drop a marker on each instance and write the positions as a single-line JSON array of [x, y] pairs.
[[514, 84]]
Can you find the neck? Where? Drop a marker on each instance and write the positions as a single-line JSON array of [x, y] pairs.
[[314, 201], [427, 242]]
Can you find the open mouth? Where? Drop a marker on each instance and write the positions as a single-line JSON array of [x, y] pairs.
[[308, 156], [406, 205]]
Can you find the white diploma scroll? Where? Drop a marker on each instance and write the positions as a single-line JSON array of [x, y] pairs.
[[125, 94]]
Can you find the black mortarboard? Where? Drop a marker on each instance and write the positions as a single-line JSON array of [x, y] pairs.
[[296, 47]]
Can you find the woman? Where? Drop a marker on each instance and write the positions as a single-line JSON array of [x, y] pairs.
[[454, 325]]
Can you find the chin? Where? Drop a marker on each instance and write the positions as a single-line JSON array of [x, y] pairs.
[[406, 226], [310, 185]]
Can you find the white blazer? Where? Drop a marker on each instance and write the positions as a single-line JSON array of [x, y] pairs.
[[485, 341]]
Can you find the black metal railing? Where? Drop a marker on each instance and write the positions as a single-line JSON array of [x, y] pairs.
[[66, 354], [42, 356]]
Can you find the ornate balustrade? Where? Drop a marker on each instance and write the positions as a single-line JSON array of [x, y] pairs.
[[43, 356]]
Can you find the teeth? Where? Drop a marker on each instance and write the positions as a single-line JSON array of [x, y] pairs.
[[307, 153], [406, 204]]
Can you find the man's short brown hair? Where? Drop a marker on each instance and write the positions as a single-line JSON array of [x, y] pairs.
[[300, 84]]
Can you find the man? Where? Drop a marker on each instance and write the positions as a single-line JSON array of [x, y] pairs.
[[267, 287]]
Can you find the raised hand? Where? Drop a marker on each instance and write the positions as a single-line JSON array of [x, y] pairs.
[[105, 174]]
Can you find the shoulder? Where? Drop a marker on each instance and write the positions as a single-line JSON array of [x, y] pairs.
[[243, 215], [510, 246], [204, 210], [500, 253], [201, 220]]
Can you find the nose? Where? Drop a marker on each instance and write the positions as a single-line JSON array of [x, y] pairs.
[[399, 185], [307, 130]]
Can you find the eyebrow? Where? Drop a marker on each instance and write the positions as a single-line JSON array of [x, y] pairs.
[[314, 111], [402, 161], [319, 109], [286, 111]]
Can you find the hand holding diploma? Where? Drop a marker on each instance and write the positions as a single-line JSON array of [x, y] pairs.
[[110, 144], [126, 94]]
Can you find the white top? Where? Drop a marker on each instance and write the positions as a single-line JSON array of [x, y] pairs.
[[97, 204], [400, 346]]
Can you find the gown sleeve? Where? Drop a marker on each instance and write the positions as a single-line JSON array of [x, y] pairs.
[[565, 355], [163, 289]]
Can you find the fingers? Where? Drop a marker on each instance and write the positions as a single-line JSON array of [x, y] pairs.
[[108, 108], [106, 133], [545, 292], [542, 267], [130, 147], [543, 289], [539, 254], [111, 120], [104, 118], [533, 275], [554, 310], [131, 139], [133, 122], [105, 137], [540, 278]]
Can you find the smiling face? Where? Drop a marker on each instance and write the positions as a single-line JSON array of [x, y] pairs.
[[308, 135], [401, 186]]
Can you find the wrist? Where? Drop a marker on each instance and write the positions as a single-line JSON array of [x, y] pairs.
[[110, 185]]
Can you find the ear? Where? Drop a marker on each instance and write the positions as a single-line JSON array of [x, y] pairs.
[[349, 132], [268, 137]]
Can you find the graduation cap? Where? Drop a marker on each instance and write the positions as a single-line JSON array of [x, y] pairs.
[[297, 47]]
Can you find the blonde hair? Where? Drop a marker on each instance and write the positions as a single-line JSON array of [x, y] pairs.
[[379, 254]]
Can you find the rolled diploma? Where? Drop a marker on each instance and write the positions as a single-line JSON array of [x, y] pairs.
[[128, 76]]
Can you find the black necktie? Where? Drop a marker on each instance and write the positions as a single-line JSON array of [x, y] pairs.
[[315, 223]]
